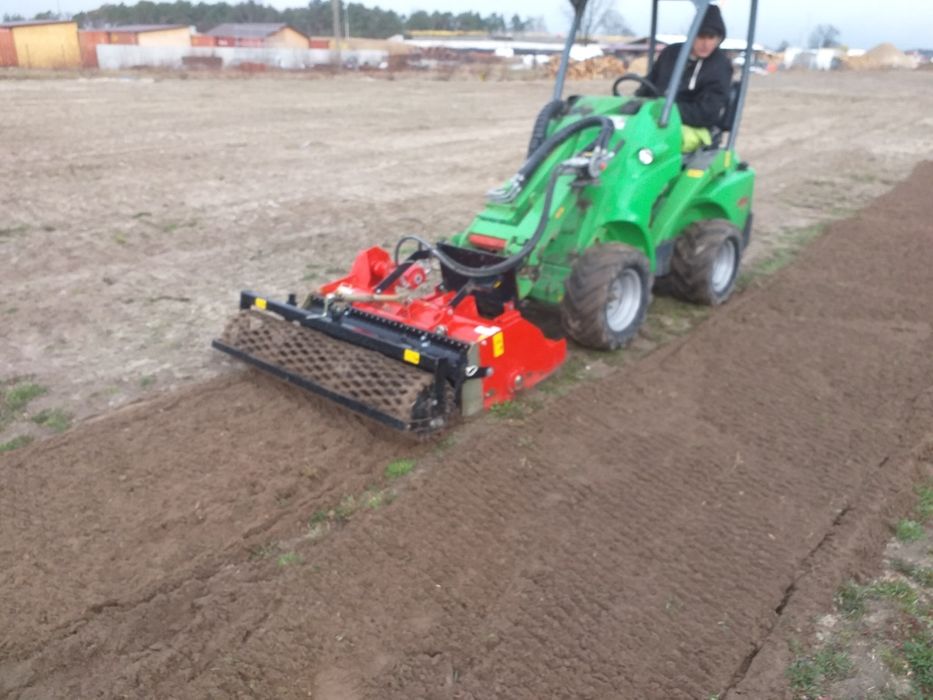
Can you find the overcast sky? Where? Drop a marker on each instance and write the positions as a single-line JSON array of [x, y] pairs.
[[861, 23]]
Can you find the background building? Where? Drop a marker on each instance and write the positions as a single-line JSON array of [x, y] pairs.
[[258, 36], [151, 35], [40, 44], [131, 35]]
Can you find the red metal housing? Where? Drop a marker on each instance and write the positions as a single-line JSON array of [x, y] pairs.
[[516, 350]]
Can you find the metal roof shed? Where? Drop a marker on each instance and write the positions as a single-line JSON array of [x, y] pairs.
[[40, 44], [259, 35], [151, 35]]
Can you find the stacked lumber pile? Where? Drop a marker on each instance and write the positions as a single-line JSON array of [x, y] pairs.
[[590, 69]]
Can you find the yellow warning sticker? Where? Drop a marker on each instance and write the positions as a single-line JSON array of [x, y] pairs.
[[411, 356], [728, 158], [260, 303], [559, 213], [498, 344], [694, 173]]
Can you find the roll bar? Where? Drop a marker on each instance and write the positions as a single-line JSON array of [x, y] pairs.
[[579, 6], [681, 62]]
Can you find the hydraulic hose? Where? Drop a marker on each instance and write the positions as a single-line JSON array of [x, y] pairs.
[[514, 186], [539, 132], [531, 165], [557, 138], [510, 262]]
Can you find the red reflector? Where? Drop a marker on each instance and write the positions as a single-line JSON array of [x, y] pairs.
[[743, 202], [487, 242]]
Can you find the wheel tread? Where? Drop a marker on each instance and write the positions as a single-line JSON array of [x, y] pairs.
[[692, 263], [583, 308]]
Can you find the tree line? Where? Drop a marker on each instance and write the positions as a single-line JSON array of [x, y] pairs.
[[316, 19]]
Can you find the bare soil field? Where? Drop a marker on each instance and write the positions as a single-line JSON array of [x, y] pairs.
[[659, 533], [132, 211]]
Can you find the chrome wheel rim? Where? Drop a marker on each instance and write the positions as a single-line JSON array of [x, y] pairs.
[[625, 297], [724, 266]]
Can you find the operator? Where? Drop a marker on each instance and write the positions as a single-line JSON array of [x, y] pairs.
[[704, 88]]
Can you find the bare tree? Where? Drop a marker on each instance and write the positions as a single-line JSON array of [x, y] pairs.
[[601, 16], [824, 37]]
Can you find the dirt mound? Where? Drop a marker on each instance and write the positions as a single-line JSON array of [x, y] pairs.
[[641, 536], [881, 56]]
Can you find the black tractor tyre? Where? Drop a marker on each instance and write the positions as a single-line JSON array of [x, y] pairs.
[[705, 263], [606, 296]]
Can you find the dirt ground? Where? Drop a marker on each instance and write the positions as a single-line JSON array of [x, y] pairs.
[[231, 537], [132, 211]]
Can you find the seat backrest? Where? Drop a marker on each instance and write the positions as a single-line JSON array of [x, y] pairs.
[[728, 114]]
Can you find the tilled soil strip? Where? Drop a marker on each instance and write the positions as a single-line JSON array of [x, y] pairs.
[[642, 537]]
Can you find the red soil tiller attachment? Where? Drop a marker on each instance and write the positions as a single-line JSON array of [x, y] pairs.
[[383, 342]]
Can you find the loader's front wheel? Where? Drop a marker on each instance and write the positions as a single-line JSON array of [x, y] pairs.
[[706, 262], [606, 296]]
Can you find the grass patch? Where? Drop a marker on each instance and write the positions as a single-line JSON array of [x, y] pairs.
[[508, 410], [15, 443], [17, 397], [893, 661], [264, 551], [900, 592], [288, 559], [925, 502], [376, 499], [918, 653], [320, 516], [922, 575], [891, 618], [572, 372], [676, 315], [147, 381], [808, 674], [13, 230], [372, 499], [445, 443], [345, 509], [789, 246], [399, 468], [850, 599], [909, 531], [54, 419]]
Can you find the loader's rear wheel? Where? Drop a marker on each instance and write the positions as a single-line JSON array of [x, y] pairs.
[[606, 296], [706, 262]]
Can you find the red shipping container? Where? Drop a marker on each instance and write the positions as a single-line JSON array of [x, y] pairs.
[[88, 41], [7, 48], [202, 40], [123, 38]]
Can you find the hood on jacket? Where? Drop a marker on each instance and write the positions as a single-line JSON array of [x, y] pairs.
[[713, 22]]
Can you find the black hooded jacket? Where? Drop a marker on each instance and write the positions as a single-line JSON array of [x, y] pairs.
[[703, 92], [704, 88]]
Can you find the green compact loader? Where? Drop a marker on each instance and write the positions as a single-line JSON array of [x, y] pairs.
[[605, 209]]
